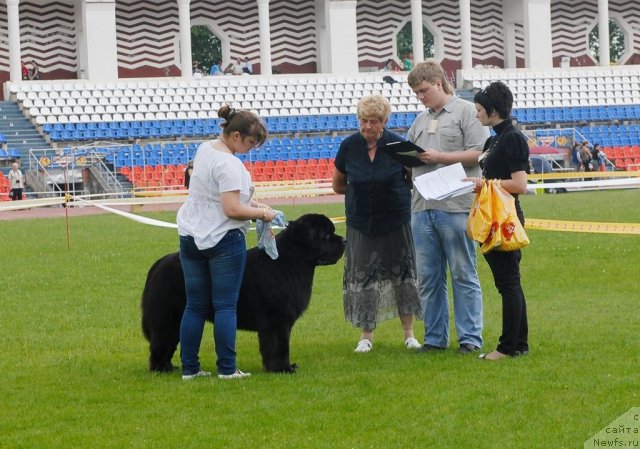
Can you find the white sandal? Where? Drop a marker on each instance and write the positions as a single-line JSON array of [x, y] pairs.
[[412, 343], [364, 345]]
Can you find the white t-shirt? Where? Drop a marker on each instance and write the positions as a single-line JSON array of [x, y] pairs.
[[16, 177], [202, 216]]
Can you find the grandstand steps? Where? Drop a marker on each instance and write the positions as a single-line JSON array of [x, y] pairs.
[[127, 186], [20, 133]]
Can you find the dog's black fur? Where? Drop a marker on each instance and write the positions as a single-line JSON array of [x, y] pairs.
[[274, 293]]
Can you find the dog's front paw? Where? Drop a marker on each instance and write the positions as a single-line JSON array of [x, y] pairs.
[[290, 369], [161, 367]]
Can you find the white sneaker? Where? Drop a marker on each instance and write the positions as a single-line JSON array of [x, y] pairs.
[[237, 375], [198, 374], [412, 343], [364, 345]]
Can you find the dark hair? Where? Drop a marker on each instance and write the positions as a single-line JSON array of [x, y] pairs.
[[495, 97], [245, 122]]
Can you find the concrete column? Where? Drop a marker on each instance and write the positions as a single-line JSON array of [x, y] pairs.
[[603, 32], [13, 17], [537, 34], [465, 34], [323, 47], [343, 36], [416, 31], [509, 32], [99, 25], [265, 37], [511, 15], [184, 15]]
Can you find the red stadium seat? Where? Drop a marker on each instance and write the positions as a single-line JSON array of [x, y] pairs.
[[618, 152]]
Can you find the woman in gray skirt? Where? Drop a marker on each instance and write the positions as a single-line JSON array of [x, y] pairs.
[[379, 272]]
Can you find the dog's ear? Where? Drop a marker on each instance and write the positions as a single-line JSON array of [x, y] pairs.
[[310, 228], [299, 229]]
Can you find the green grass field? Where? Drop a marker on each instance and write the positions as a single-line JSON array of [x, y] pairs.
[[75, 361]]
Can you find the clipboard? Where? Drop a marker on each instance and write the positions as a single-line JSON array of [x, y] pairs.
[[405, 152]]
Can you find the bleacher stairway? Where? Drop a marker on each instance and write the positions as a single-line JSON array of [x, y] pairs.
[[20, 133]]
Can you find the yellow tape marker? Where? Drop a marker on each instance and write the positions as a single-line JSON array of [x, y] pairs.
[[568, 226], [584, 175], [582, 226]]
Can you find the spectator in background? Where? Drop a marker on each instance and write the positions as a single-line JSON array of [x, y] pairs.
[[187, 174], [25, 71], [229, 69], [247, 67], [16, 179], [216, 69], [388, 66], [237, 68], [196, 68], [35, 71], [576, 157], [407, 62], [601, 157], [585, 157], [595, 162]]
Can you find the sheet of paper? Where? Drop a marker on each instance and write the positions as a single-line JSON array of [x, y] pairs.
[[446, 182]]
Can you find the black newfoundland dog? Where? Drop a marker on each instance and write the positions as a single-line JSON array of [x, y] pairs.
[[274, 293]]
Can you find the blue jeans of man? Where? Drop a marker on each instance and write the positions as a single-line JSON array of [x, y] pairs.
[[212, 280], [441, 241]]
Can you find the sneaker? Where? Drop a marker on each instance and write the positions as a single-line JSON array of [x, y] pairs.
[[412, 343], [364, 345], [237, 375], [430, 348], [198, 374], [468, 348]]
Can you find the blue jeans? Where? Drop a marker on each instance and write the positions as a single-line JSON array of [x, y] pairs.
[[441, 240], [212, 280]]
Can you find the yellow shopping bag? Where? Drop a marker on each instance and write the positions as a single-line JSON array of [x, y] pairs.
[[507, 233], [479, 220]]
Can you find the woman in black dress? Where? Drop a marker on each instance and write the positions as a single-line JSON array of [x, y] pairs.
[[379, 271]]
